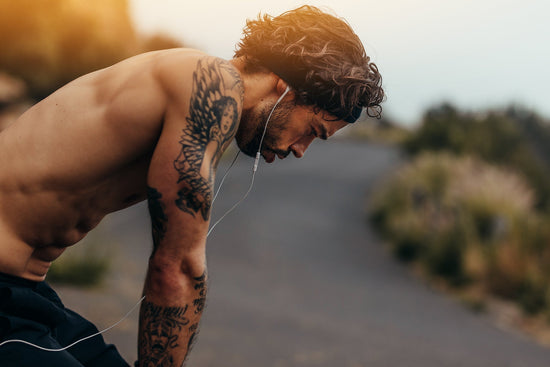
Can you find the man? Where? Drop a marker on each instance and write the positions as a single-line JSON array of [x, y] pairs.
[[154, 127]]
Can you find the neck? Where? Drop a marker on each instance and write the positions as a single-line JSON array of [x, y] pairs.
[[257, 85]]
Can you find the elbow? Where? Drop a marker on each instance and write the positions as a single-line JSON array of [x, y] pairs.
[[167, 277]]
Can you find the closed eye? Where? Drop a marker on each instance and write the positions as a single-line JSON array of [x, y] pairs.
[[324, 132], [318, 130]]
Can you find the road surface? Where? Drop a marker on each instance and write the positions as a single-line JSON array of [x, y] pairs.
[[297, 278]]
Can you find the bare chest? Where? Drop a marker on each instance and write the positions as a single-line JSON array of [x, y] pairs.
[[62, 215]]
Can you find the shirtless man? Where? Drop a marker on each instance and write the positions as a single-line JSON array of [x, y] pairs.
[[154, 127]]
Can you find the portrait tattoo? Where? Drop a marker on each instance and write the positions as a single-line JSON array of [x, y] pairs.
[[163, 326], [158, 217], [167, 328], [212, 123]]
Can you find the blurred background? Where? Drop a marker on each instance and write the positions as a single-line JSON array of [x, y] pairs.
[[460, 188], [475, 54]]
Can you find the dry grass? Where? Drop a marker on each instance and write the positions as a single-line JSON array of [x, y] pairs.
[[472, 224]]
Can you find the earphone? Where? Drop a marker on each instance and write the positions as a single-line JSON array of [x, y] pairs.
[[254, 169], [257, 160]]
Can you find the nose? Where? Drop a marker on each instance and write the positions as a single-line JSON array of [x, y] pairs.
[[300, 147]]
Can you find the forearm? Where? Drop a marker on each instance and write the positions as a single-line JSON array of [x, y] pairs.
[[169, 316], [175, 285], [180, 179]]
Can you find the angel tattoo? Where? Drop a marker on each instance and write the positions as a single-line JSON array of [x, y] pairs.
[[212, 122]]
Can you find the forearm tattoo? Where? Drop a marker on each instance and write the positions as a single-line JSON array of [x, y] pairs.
[[199, 303], [163, 328], [200, 286], [168, 333], [166, 330], [212, 123]]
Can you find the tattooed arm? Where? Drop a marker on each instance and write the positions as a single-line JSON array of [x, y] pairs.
[[181, 175]]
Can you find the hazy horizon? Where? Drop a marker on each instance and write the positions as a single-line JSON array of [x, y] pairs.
[[473, 54]]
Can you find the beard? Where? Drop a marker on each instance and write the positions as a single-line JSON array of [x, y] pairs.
[[249, 142]]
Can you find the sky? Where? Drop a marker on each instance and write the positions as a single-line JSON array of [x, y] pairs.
[[476, 54]]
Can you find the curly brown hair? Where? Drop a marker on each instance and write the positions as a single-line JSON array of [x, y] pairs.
[[319, 56]]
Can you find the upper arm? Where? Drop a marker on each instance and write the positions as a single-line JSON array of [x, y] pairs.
[[201, 120]]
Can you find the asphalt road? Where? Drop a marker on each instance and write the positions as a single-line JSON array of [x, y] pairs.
[[297, 278]]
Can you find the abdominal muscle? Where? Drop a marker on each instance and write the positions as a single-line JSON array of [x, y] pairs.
[[39, 220], [35, 232], [23, 260], [40, 260], [41, 226], [72, 159]]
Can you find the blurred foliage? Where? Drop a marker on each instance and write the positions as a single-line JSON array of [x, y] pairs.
[[473, 207], [83, 271], [383, 130], [48, 43], [470, 223], [85, 265], [512, 137]]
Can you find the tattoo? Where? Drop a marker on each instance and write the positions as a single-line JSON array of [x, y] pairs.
[[194, 331], [195, 196], [194, 328], [236, 78], [200, 286], [167, 330], [158, 217], [212, 123], [163, 326], [199, 303]]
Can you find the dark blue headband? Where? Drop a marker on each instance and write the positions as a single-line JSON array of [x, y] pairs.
[[354, 115]]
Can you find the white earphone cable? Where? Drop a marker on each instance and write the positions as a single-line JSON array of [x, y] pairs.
[[254, 169], [78, 341], [225, 175]]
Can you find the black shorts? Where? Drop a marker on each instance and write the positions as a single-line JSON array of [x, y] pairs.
[[33, 312]]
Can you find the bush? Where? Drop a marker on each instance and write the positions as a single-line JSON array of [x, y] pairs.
[[84, 265], [513, 137], [79, 271], [383, 130], [466, 221], [48, 43]]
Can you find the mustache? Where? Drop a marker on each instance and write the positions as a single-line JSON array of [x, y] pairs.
[[252, 147]]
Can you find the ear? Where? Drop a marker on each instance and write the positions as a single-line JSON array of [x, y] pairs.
[[282, 86]]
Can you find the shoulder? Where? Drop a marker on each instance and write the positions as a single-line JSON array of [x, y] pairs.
[[184, 72]]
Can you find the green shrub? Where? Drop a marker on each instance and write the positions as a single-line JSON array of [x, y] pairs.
[[84, 265], [81, 271], [382, 130], [514, 138], [468, 222], [444, 257], [533, 296], [408, 237]]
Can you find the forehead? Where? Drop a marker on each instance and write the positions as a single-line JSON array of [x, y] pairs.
[[325, 122], [331, 123]]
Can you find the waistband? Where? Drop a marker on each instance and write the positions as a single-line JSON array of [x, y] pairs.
[[21, 282], [30, 300]]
